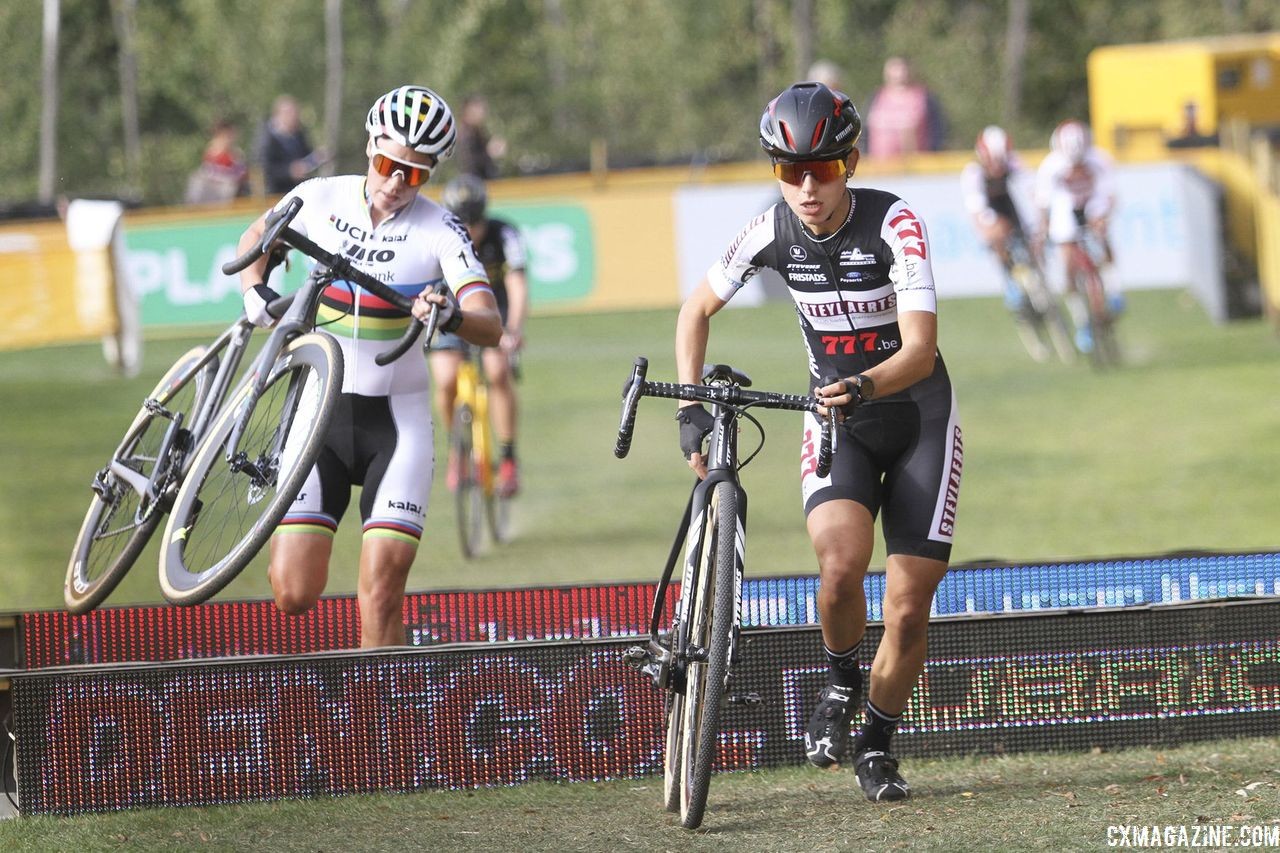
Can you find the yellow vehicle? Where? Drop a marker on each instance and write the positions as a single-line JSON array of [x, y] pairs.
[[478, 502], [1144, 97]]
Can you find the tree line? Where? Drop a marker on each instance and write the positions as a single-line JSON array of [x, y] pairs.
[[136, 85]]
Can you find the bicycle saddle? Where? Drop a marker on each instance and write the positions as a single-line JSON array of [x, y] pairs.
[[723, 372]]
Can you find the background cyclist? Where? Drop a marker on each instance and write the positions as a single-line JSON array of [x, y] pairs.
[[381, 434], [857, 264], [992, 186], [1075, 189], [501, 249]]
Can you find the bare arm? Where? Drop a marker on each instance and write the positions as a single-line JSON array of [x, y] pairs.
[[481, 323], [517, 310], [693, 328], [254, 273]]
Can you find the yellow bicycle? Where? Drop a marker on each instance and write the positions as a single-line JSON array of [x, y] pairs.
[[478, 501]]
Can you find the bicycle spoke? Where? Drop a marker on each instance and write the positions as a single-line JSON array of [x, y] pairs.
[[124, 510], [240, 488], [232, 494]]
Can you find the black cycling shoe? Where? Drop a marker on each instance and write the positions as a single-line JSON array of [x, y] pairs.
[[828, 733], [878, 775]]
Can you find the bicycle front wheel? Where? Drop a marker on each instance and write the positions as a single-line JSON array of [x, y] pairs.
[[469, 495], [1052, 321], [712, 624], [129, 493], [234, 496]]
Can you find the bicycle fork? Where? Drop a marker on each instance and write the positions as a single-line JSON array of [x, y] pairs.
[[666, 657]]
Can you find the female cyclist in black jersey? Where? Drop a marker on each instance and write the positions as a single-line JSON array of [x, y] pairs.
[[857, 263]]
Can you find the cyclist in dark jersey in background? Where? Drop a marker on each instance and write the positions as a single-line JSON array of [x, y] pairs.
[[988, 184], [857, 264], [502, 251]]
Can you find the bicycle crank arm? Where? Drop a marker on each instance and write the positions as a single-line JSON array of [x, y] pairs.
[[750, 700]]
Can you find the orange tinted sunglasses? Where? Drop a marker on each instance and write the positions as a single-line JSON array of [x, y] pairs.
[[793, 171], [414, 174]]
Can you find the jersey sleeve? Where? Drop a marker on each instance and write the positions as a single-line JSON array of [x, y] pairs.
[[744, 257], [972, 189], [1103, 199], [1046, 178], [458, 262], [306, 191], [513, 249], [912, 270]]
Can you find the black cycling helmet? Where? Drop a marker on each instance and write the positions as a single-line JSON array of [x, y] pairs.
[[465, 197], [810, 122]]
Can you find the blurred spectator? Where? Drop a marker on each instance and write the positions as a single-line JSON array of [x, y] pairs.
[[478, 152], [827, 73], [223, 173], [903, 116], [1190, 136], [283, 149]]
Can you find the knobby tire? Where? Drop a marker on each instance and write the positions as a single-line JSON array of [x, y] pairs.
[[120, 520], [469, 497], [712, 625]]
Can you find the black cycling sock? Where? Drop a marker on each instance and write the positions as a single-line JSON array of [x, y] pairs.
[[845, 668], [877, 730], [508, 450]]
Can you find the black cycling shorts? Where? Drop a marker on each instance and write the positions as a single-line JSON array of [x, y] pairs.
[[901, 458]]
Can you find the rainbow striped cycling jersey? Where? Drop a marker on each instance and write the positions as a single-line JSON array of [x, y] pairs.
[[420, 244]]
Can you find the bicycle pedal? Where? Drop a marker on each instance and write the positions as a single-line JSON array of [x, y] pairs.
[[750, 700], [636, 656]]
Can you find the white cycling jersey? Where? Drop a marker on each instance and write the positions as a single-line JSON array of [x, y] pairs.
[[1062, 188], [418, 245]]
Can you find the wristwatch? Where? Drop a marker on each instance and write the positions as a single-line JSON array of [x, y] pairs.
[[865, 385]]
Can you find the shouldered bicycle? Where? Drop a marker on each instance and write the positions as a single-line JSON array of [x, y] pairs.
[[223, 456], [692, 661]]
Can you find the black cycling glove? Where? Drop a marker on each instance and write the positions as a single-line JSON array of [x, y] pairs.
[[695, 424]]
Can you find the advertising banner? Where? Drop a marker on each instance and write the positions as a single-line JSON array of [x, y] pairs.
[[176, 271], [1166, 232]]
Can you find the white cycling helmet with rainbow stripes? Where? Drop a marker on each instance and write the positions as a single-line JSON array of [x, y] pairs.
[[417, 117]]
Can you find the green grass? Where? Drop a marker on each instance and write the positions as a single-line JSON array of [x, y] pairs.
[[1180, 449], [1029, 801]]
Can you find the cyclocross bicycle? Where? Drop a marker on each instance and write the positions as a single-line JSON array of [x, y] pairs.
[[478, 500], [693, 659], [1042, 325], [219, 466], [1083, 263]]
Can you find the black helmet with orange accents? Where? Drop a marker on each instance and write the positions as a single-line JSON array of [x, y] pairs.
[[809, 121]]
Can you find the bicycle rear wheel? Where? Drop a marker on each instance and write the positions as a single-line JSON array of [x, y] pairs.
[[130, 492], [711, 629], [229, 506], [469, 497]]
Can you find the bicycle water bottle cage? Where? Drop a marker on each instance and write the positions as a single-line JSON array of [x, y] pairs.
[[712, 373]]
